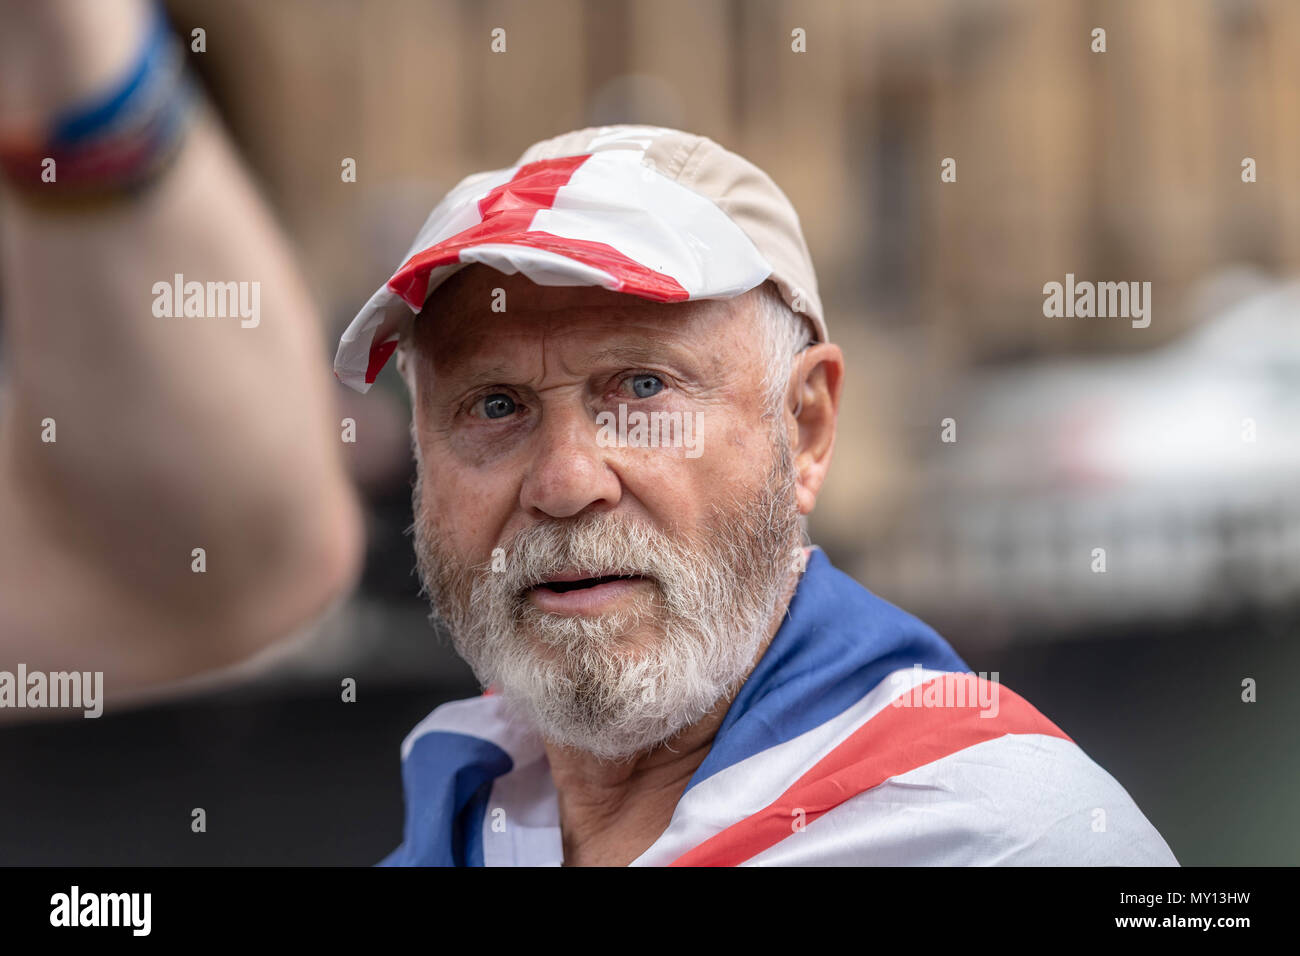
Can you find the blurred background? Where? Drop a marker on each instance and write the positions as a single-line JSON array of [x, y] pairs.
[[1175, 447]]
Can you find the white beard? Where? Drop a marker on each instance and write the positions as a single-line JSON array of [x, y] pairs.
[[581, 680]]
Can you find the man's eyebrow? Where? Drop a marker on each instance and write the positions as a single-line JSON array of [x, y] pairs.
[[643, 351], [468, 372]]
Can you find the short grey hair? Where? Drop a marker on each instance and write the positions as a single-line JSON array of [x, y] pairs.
[[785, 333]]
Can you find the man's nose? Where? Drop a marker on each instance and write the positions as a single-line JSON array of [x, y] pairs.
[[569, 471]]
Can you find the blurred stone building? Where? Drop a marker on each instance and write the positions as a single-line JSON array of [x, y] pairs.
[[1119, 166]]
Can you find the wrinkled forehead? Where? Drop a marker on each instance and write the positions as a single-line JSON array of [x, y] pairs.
[[481, 316]]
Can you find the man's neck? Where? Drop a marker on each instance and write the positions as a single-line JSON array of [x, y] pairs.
[[610, 813]]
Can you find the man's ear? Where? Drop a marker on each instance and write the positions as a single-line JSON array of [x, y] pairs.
[[812, 405], [403, 362]]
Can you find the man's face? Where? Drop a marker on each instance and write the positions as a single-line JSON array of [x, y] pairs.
[[613, 592]]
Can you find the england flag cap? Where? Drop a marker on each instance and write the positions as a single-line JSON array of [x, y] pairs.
[[652, 212]]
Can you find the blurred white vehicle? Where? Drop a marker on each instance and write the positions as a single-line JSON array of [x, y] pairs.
[[1177, 471]]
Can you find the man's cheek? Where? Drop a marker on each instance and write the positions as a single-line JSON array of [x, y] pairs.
[[469, 517]]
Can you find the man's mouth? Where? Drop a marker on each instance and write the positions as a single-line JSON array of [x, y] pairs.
[[585, 592], [564, 583]]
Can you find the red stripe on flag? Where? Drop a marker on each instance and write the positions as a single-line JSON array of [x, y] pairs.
[[507, 209], [378, 356], [532, 188], [632, 276], [896, 740], [507, 212]]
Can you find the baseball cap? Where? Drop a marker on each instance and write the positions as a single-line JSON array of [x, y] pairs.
[[658, 213]]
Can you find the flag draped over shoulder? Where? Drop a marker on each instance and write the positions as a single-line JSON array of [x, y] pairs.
[[860, 738]]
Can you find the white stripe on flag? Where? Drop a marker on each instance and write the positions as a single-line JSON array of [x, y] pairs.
[[745, 788], [1015, 800], [665, 226]]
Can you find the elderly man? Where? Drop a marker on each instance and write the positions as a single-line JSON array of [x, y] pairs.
[[624, 408]]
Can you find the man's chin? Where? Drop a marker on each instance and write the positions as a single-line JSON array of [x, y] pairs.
[[633, 621], [577, 715], [553, 639]]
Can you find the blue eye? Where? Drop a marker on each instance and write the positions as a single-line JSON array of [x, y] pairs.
[[498, 405], [646, 386]]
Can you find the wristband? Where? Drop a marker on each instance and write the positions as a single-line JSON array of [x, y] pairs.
[[115, 145]]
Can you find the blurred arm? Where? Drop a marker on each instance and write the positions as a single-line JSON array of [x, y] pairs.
[[172, 433]]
